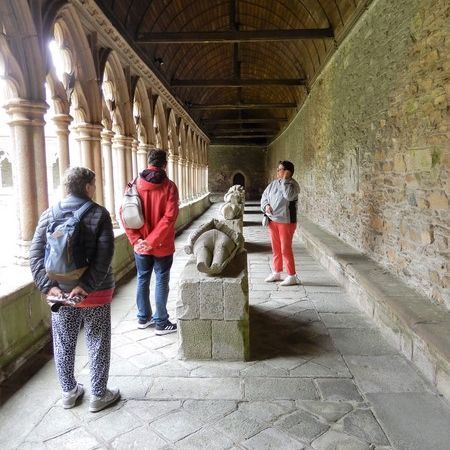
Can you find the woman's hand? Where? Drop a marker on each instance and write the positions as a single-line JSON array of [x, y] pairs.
[[78, 291], [268, 209], [55, 291]]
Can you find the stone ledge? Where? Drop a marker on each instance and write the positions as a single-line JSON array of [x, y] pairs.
[[416, 327]]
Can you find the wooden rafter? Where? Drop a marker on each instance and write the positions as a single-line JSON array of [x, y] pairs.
[[233, 36], [239, 82], [243, 120], [244, 106]]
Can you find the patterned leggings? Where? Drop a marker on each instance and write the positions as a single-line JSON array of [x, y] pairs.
[[66, 324]]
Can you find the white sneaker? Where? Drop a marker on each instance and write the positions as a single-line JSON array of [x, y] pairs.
[[69, 399], [275, 276], [291, 280], [98, 403]]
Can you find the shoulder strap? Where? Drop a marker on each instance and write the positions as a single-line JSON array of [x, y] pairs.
[[85, 207], [132, 183]]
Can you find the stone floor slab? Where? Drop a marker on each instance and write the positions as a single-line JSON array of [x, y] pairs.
[[176, 425], [196, 388], [386, 373], [279, 389], [338, 390], [413, 420], [271, 439]]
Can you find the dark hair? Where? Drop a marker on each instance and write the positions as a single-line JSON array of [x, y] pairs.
[[75, 180], [157, 157], [287, 165]]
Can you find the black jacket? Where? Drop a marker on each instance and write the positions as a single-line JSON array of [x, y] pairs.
[[97, 237]]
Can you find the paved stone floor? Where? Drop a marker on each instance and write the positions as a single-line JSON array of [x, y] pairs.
[[321, 377]]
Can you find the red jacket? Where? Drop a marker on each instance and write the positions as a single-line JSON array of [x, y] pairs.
[[160, 209]]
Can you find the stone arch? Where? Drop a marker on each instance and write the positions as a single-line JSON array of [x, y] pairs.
[[79, 67], [119, 100], [160, 124], [17, 22], [13, 82], [182, 139], [142, 114], [173, 140], [238, 177]]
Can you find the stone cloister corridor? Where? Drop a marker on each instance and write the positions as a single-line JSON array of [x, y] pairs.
[[320, 376], [356, 94]]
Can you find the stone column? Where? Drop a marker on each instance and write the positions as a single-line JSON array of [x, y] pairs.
[[142, 154], [190, 181], [121, 148], [134, 150], [129, 159], [90, 145], [170, 166], [107, 136], [181, 179], [29, 169], [62, 122], [175, 169]]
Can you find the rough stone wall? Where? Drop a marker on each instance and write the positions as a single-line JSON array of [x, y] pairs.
[[225, 161], [372, 146]]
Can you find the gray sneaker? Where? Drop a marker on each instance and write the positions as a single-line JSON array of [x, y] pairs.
[[98, 403], [69, 399]]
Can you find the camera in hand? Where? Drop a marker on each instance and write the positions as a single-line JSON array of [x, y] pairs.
[[56, 301]]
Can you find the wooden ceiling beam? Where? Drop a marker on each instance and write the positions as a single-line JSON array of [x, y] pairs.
[[231, 106], [233, 36], [242, 136], [239, 82], [217, 131], [236, 121]]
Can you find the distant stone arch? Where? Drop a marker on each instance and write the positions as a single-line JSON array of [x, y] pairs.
[[238, 178]]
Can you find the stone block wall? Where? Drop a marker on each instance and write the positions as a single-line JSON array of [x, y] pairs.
[[371, 144], [212, 312], [226, 161]]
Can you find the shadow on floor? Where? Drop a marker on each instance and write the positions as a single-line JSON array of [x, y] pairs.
[[253, 247], [274, 335]]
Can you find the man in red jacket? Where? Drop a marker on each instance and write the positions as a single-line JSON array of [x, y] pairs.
[[154, 243]]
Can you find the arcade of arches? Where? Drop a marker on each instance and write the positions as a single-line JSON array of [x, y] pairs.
[[369, 134]]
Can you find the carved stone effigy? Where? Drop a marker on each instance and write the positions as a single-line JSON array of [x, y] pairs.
[[214, 245], [233, 208], [212, 306]]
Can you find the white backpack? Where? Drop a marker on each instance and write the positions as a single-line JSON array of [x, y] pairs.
[[132, 216]]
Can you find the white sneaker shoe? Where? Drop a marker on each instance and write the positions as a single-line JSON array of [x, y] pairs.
[[291, 280], [275, 276], [98, 403], [69, 399]]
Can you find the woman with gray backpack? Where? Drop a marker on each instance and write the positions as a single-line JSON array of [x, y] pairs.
[[70, 259]]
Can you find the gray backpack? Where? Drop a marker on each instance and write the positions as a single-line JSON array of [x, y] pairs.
[[132, 216]]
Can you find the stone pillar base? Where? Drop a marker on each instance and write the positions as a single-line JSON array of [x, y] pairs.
[[212, 313]]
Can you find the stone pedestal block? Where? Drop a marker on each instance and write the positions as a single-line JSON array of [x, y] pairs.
[[212, 312]]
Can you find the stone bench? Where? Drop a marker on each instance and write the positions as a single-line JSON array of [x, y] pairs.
[[212, 312], [415, 326]]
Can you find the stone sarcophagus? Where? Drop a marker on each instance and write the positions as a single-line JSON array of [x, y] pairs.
[[212, 306]]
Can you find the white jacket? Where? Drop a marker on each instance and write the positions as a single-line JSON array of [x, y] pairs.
[[282, 196]]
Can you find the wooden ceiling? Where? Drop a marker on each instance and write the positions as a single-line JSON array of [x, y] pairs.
[[242, 68]]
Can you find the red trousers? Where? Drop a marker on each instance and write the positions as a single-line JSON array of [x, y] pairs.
[[281, 235]]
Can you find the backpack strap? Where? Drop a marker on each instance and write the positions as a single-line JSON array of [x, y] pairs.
[[132, 183], [84, 208]]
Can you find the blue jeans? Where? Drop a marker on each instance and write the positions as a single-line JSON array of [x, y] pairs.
[[145, 265]]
